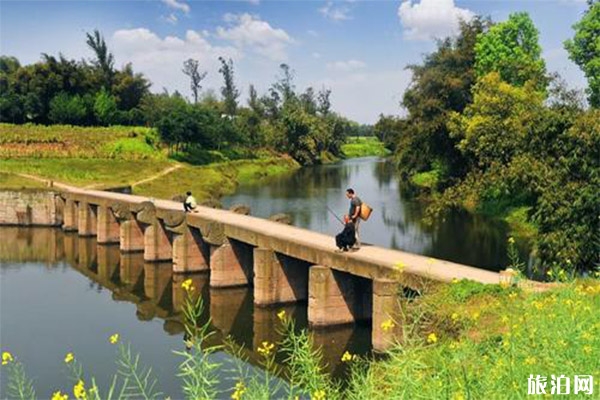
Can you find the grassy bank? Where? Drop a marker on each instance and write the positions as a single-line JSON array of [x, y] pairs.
[[467, 340], [508, 210], [364, 146], [117, 156], [461, 341], [215, 180]]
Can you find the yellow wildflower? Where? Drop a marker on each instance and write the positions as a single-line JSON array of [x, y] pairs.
[[454, 280], [587, 349], [79, 390], [281, 315], [511, 240], [69, 357], [513, 295], [114, 338], [187, 285], [266, 348], [454, 317], [400, 266], [6, 357], [530, 360], [348, 357], [318, 395], [432, 338], [458, 396], [387, 325], [240, 388], [59, 396]]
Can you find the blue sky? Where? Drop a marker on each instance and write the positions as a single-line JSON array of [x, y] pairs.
[[358, 49]]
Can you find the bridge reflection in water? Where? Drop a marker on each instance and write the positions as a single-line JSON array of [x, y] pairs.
[[157, 293]]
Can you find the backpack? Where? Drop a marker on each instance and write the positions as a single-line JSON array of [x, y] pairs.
[[365, 211]]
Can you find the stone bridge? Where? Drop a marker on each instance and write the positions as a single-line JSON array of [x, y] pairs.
[[281, 263]]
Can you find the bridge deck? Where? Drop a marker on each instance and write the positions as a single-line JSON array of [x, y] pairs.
[[370, 261]]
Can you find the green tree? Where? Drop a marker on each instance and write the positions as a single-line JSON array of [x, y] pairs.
[[191, 68], [104, 61], [440, 85], [584, 50], [66, 109], [284, 85], [511, 48], [105, 108], [324, 101], [229, 91], [495, 127], [129, 88], [308, 101]]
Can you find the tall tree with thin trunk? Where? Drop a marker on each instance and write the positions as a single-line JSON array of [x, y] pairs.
[[191, 68], [324, 103], [104, 59], [285, 84], [228, 90]]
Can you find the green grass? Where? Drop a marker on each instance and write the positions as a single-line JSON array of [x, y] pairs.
[[65, 141], [215, 180], [83, 172], [114, 156], [14, 181], [428, 179], [520, 223], [364, 147], [485, 345]]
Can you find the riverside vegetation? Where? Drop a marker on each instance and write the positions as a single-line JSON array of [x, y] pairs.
[[489, 130]]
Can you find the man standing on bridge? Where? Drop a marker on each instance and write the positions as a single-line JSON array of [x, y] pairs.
[[354, 213]]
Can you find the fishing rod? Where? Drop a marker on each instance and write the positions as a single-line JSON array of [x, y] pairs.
[[336, 217]]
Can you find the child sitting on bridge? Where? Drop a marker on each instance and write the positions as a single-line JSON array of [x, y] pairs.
[[347, 237], [190, 202]]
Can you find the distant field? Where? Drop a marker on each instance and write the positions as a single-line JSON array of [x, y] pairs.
[[65, 141], [364, 146], [118, 156]]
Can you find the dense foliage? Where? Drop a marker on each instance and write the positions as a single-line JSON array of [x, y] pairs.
[[511, 48], [483, 120], [61, 91], [439, 86], [584, 49]]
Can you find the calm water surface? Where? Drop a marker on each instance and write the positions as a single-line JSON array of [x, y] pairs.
[[62, 293], [397, 220]]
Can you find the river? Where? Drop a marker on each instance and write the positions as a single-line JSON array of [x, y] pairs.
[[62, 293]]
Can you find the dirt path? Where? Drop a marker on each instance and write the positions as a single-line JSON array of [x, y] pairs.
[[162, 173]]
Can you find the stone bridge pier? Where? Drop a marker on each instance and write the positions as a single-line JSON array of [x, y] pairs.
[[281, 264]]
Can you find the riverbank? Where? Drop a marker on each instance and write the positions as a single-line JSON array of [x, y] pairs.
[[516, 217], [93, 157], [364, 146]]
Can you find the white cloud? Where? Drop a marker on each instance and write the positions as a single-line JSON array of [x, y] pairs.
[[345, 66], [249, 31], [336, 13], [431, 18], [312, 33], [316, 55], [174, 4], [161, 59]]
